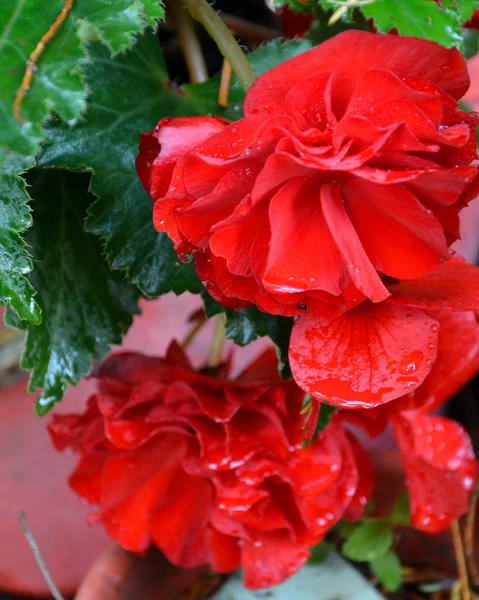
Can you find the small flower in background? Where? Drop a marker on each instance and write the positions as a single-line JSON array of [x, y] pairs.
[[211, 471], [342, 185]]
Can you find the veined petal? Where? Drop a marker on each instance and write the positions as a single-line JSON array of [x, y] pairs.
[[368, 356]]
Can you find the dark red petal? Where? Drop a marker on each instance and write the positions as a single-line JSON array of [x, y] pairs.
[[440, 468], [403, 56], [452, 286], [357, 263], [370, 355], [400, 236], [161, 148], [271, 560], [457, 359]]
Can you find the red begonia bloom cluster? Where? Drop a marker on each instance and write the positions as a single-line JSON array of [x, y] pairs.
[[211, 471], [334, 200], [214, 471]]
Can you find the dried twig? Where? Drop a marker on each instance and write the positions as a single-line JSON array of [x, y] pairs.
[[38, 557], [469, 534], [460, 560], [224, 84], [33, 59]]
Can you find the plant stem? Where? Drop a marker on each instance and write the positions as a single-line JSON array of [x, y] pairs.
[[189, 43], [224, 84], [228, 46], [216, 351], [469, 535], [37, 556], [192, 333], [460, 560]]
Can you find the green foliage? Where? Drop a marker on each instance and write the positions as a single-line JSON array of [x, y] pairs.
[[86, 307], [248, 324], [400, 513], [368, 541], [320, 552], [304, 6], [129, 94], [387, 570], [420, 18], [57, 86], [15, 264]]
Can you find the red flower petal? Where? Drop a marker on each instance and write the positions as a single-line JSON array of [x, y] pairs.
[[365, 487], [400, 236], [370, 355], [161, 148], [452, 286], [357, 263], [297, 221], [403, 56], [271, 560], [457, 359], [440, 468]]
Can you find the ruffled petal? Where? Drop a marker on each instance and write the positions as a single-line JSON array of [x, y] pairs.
[[440, 468], [452, 286], [161, 148], [356, 261], [271, 560], [403, 56], [295, 262], [400, 236], [457, 359], [372, 354]]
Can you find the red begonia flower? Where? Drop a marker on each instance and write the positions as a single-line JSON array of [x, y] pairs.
[[440, 468], [375, 353], [345, 177], [436, 451], [341, 172], [211, 471]]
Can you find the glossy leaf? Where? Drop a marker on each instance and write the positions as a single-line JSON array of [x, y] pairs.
[[368, 542], [86, 308], [15, 263], [57, 85], [387, 570], [421, 18], [248, 324]]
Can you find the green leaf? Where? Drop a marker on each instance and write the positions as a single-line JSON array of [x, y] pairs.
[[464, 9], [57, 85], [320, 552], [129, 94], [86, 308], [420, 18], [15, 264], [248, 324], [387, 569], [400, 513], [305, 6], [369, 541]]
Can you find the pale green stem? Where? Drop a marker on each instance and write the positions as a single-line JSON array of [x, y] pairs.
[[216, 352], [228, 46]]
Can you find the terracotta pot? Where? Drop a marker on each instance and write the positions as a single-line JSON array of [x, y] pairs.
[[120, 575]]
